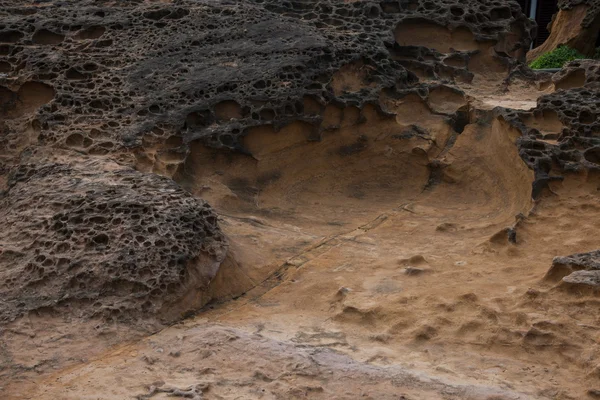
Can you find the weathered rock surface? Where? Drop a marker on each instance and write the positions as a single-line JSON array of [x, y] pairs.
[[93, 238], [209, 71], [578, 73], [138, 82], [578, 271], [563, 266], [357, 107], [561, 133], [561, 137], [584, 279], [576, 25]]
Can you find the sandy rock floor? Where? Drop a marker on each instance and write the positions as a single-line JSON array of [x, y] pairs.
[[417, 296]]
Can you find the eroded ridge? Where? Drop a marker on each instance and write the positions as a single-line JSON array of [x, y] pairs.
[[237, 77]]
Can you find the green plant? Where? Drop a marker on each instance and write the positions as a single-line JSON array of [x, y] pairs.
[[556, 58]]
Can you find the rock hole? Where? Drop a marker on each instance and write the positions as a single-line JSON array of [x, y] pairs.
[[44, 36], [92, 32]]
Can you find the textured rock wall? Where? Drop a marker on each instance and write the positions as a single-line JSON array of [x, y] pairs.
[[98, 239], [577, 25], [560, 135], [592, 10], [206, 70], [115, 85]]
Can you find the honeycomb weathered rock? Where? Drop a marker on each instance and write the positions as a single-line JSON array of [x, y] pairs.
[[561, 136], [562, 133], [104, 79], [104, 240], [210, 70]]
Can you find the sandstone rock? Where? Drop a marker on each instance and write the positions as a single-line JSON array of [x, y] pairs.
[[141, 82], [95, 95], [559, 137], [93, 238], [576, 25], [134, 73], [589, 279], [561, 130], [577, 74], [577, 270], [580, 273], [563, 266]]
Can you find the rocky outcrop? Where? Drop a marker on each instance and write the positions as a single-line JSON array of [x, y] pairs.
[[559, 138], [578, 272], [317, 128], [93, 238], [577, 74], [141, 83], [200, 70], [560, 134], [577, 25], [135, 84]]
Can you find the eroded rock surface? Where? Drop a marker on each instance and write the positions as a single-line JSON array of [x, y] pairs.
[[560, 135], [93, 238], [140, 82], [578, 272], [576, 25], [561, 139], [209, 71], [334, 138]]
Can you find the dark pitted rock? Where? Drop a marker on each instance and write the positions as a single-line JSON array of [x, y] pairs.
[[100, 239], [577, 74], [565, 266], [130, 73], [577, 273], [561, 133], [584, 279]]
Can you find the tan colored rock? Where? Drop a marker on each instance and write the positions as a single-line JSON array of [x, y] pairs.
[[575, 26]]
